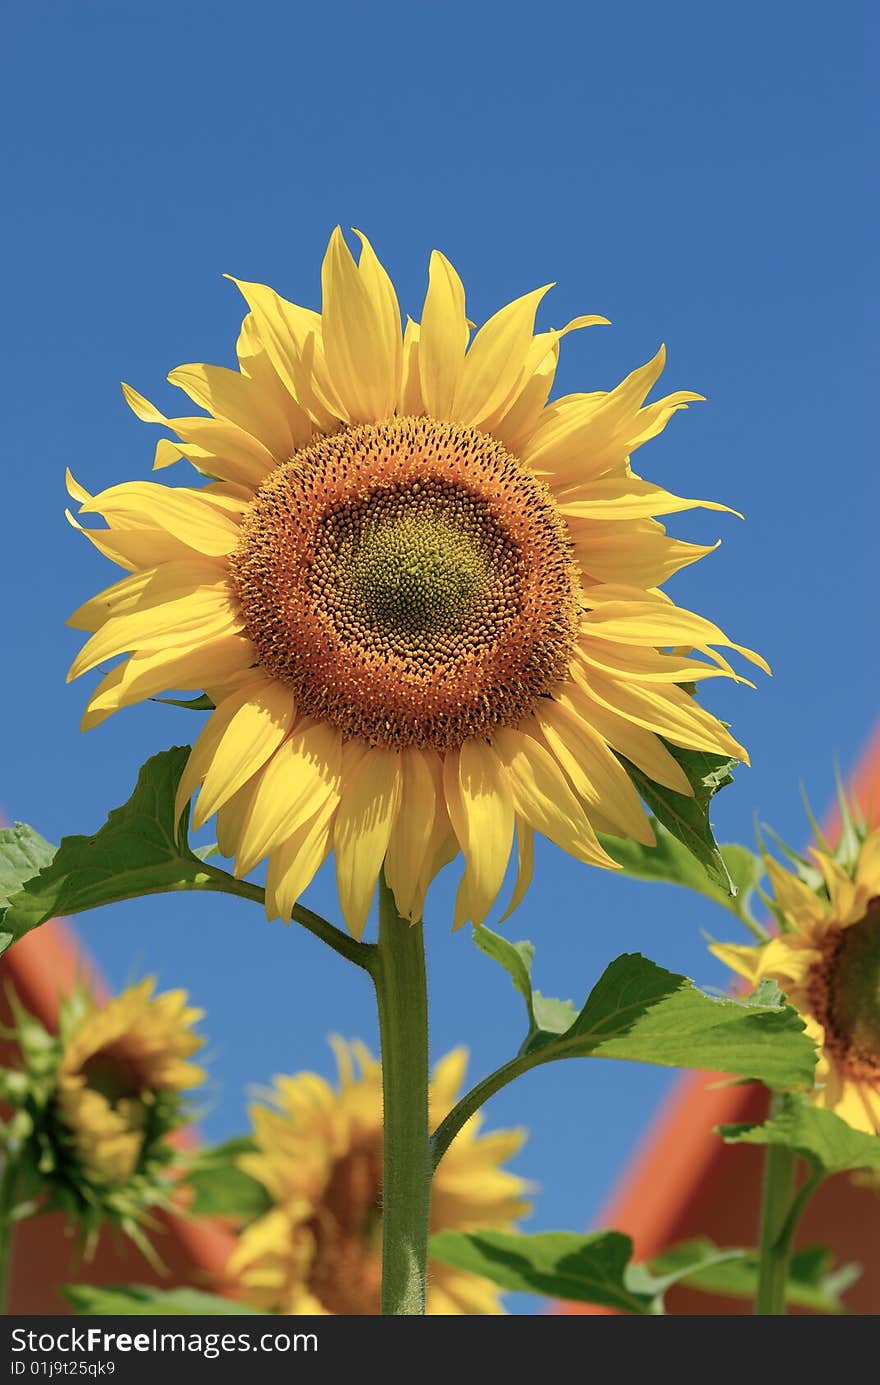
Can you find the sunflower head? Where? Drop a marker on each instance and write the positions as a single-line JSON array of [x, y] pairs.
[[98, 1101], [318, 1154], [422, 597], [826, 957]]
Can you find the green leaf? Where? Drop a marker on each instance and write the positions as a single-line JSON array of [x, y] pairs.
[[139, 851], [673, 862], [595, 1268], [516, 958], [811, 1281], [23, 852], [828, 1143], [141, 1300], [687, 819], [558, 1264], [222, 1188], [643, 1013]]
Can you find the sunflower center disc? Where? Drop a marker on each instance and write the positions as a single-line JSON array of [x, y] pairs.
[[845, 990], [346, 1234], [411, 581]]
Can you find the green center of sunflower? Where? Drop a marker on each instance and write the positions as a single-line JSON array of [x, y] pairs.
[[411, 581], [346, 1228], [412, 569], [846, 992]]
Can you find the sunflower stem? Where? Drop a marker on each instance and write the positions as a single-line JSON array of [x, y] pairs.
[[8, 1183], [398, 970], [777, 1226]]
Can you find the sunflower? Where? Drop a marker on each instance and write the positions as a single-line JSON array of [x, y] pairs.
[[119, 1063], [827, 960], [319, 1156], [422, 599]]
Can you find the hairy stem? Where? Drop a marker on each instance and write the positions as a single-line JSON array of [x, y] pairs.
[[398, 970], [777, 1227]]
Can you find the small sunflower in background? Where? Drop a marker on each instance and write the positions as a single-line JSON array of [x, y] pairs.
[[96, 1102], [826, 958], [423, 600], [318, 1155]]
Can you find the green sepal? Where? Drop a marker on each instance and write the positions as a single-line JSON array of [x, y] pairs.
[[687, 818], [202, 703]]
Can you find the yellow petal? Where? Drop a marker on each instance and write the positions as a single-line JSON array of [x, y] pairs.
[[413, 831], [230, 395], [363, 354], [386, 310], [544, 799], [597, 775], [583, 435], [252, 734], [483, 810], [635, 553], [740, 957], [134, 549], [362, 829], [559, 433], [243, 458], [634, 617], [146, 674], [642, 747], [254, 362], [215, 728], [664, 709], [525, 851], [802, 907], [868, 867], [443, 338], [74, 489], [292, 338], [294, 784], [195, 518], [294, 864], [446, 1082], [495, 362], [518, 424], [411, 401], [202, 614], [629, 497], [521, 418], [646, 664]]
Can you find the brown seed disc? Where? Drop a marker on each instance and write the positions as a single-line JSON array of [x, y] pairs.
[[411, 581], [844, 991]]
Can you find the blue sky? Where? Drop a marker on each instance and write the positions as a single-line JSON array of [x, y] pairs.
[[697, 174]]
